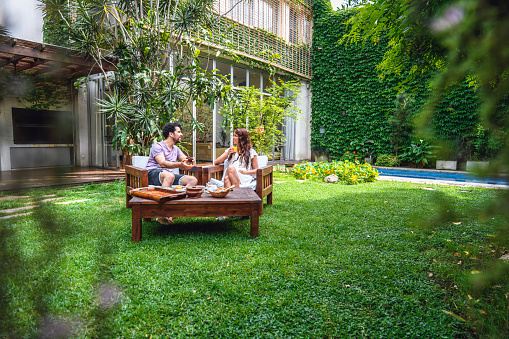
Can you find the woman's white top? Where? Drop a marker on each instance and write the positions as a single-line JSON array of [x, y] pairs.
[[245, 179]]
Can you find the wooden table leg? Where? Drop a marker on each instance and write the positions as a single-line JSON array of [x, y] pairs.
[[255, 221], [136, 223]]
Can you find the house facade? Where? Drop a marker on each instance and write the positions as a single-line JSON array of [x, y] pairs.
[[267, 34]]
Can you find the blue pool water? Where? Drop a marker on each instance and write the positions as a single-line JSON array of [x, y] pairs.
[[436, 175]]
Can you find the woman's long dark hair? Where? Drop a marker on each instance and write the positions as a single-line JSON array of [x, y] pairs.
[[244, 146]]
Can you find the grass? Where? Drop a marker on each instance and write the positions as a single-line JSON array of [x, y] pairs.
[[378, 260]]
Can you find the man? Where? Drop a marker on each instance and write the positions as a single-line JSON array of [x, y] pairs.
[[163, 159]]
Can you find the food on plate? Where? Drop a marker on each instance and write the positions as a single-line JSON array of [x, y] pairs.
[[178, 187]]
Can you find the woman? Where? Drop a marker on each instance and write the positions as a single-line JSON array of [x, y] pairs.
[[242, 160]]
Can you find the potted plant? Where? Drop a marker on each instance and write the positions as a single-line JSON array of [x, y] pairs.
[[485, 146], [319, 153], [447, 155], [451, 165]]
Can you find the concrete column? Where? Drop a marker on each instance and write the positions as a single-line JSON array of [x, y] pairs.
[[303, 124], [82, 129], [6, 133]]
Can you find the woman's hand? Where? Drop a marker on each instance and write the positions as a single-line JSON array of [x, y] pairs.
[[242, 171], [231, 150]]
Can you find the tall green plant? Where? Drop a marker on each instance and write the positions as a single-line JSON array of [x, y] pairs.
[[153, 48], [263, 115], [400, 122]]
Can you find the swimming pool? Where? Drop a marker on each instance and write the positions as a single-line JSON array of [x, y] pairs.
[[439, 175]]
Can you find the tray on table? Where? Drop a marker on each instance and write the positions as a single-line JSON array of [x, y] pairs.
[[158, 194]]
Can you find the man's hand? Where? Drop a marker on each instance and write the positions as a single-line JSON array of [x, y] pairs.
[[185, 165], [189, 160]]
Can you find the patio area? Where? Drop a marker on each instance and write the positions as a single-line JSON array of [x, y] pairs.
[[58, 176], [64, 176]]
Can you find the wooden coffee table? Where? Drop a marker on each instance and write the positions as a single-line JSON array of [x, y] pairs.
[[239, 202]]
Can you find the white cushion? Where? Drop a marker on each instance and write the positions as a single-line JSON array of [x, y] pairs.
[[263, 160], [141, 162]]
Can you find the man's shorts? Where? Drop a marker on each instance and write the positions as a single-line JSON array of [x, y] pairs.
[[154, 177]]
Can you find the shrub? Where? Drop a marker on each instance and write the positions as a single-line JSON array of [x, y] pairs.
[[387, 160], [347, 172], [419, 154]]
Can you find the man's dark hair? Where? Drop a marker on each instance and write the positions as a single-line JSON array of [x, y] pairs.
[[170, 128]]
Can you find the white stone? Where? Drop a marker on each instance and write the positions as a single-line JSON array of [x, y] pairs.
[[331, 178]]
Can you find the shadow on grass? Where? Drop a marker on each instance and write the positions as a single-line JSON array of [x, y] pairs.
[[232, 226], [196, 226]]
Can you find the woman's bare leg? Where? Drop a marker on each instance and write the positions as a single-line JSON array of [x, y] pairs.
[[227, 182], [233, 177]]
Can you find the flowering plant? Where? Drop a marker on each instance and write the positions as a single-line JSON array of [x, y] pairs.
[[350, 156], [280, 168], [347, 172]]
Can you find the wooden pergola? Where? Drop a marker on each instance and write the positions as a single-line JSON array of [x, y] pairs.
[[17, 55]]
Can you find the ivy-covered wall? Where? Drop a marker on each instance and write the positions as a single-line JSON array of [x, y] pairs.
[[352, 109], [54, 31]]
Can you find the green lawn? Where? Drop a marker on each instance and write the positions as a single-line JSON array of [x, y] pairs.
[[377, 260]]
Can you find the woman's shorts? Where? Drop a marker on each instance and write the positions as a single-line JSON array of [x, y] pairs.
[[154, 177]]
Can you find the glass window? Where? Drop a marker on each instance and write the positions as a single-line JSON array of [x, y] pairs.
[[42, 127], [254, 79], [223, 68], [266, 81], [206, 64], [239, 77]]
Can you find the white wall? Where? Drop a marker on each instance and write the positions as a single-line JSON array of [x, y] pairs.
[[39, 154], [22, 18]]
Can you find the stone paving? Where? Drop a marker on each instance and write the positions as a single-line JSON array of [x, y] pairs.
[[442, 182]]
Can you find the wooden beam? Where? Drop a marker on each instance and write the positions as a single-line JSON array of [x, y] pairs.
[[36, 62], [34, 53], [69, 72], [13, 60]]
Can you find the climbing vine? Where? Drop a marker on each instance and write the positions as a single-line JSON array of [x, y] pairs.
[[353, 109], [41, 92]]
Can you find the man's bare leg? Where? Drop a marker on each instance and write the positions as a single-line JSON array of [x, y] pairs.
[[167, 179], [188, 180]]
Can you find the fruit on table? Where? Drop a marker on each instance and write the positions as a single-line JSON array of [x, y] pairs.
[[178, 187]]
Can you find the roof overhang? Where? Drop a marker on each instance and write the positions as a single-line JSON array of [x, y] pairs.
[[17, 55]]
